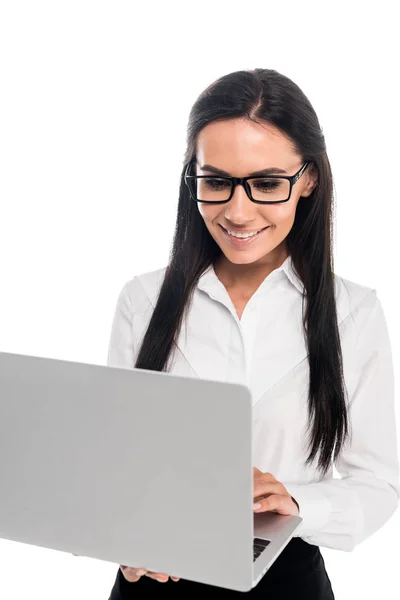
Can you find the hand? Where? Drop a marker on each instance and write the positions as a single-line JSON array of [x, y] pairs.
[[132, 574], [271, 495]]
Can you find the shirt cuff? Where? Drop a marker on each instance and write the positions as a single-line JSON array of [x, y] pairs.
[[315, 508]]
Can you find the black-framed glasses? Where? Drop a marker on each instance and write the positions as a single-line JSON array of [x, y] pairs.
[[262, 190]]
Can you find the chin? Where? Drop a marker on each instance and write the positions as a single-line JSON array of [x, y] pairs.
[[246, 260], [246, 257]]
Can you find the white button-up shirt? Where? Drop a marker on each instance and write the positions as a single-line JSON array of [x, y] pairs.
[[266, 350]]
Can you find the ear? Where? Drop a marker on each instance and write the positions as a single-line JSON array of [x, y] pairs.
[[312, 181]]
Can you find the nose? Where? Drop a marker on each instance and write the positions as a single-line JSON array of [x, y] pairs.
[[240, 209]]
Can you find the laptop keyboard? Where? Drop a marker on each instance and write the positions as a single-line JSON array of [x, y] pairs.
[[259, 546]]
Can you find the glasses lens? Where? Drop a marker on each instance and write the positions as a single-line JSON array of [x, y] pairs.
[[270, 189], [213, 189]]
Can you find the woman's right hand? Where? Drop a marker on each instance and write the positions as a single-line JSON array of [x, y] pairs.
[[132, 574]]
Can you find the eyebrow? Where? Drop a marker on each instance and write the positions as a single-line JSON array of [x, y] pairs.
[[262, 173]]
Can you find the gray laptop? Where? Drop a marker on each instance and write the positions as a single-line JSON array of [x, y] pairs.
[[134, 467]]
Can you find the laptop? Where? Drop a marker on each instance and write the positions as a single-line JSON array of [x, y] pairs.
[[134, 467]]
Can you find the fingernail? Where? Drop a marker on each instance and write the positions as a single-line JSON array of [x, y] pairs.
[[255, 506], [161, 580], [141, 572]]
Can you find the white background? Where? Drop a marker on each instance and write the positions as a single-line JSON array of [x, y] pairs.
[[94, 103]]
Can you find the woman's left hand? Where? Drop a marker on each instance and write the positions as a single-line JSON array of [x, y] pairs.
[[271, 495]]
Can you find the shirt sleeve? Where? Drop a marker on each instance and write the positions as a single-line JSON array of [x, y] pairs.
[[341, 513], [121, 345]]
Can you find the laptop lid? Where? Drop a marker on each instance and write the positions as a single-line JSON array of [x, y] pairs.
[[135, 467]]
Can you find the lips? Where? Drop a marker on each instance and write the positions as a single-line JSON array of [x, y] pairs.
[[259, 230]]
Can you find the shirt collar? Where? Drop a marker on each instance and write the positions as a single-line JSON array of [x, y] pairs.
[[209, 281]]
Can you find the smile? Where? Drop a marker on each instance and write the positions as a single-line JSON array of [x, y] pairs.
[[239, 241]]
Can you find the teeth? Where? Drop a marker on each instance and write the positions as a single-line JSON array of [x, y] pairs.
[[243, 235]]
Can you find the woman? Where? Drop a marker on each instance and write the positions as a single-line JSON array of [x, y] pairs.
[[251, 278]]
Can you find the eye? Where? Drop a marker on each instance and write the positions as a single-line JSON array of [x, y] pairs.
[[266, 185], [215, 183]]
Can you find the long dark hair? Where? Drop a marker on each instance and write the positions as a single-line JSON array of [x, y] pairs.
[[267, 96]]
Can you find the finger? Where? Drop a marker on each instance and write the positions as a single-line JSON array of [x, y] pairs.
[[161, 577], [276, 502], [175, 578], [267, 476], [262, 488], [131, 574]]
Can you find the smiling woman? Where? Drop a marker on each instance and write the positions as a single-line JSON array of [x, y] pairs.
[[240, 145], [251, 279], [225, 180]]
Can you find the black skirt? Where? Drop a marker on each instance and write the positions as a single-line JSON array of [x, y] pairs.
[[298, 573]]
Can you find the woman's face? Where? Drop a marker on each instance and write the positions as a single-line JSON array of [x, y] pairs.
[[240, 147]]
